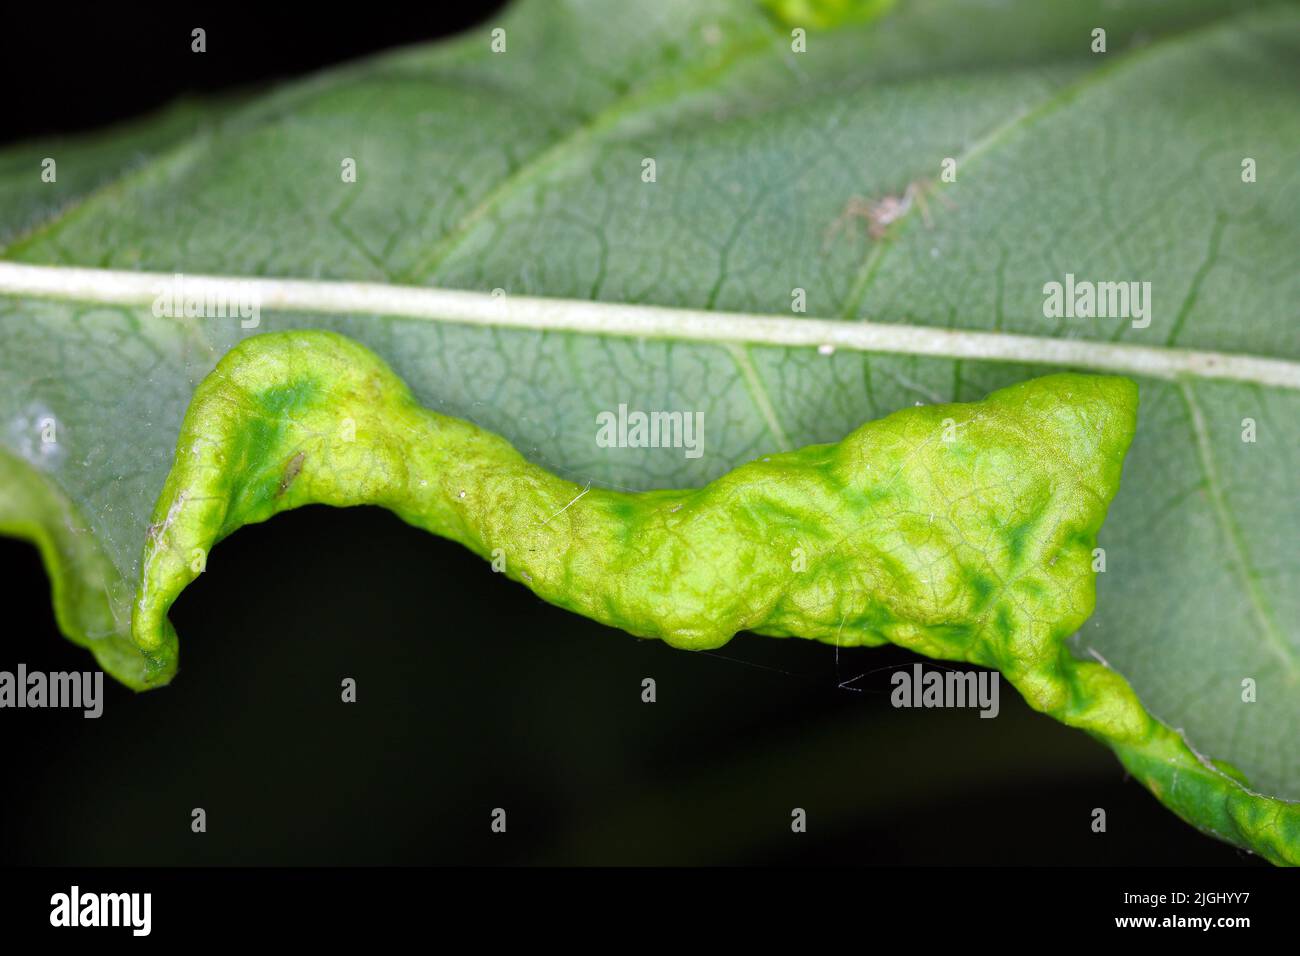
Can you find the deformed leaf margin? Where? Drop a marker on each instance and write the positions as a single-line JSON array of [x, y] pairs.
[[1211, 795]]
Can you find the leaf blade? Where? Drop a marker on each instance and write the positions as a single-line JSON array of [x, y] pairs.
[[581, 225]]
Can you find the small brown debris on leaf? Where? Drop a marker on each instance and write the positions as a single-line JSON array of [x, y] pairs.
[[290, 473]]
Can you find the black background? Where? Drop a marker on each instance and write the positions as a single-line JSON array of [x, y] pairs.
[[473, 694]]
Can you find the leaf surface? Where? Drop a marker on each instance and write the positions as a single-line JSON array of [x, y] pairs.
[[522, 172]]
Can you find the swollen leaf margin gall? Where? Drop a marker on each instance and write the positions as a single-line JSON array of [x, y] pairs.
[[959, 530]]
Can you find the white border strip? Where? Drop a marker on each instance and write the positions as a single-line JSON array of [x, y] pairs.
[[643, 321]]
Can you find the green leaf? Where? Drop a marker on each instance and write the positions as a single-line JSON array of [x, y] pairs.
[[774, 171]]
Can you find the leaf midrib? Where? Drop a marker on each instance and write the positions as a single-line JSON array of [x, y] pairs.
[[314, 296]]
